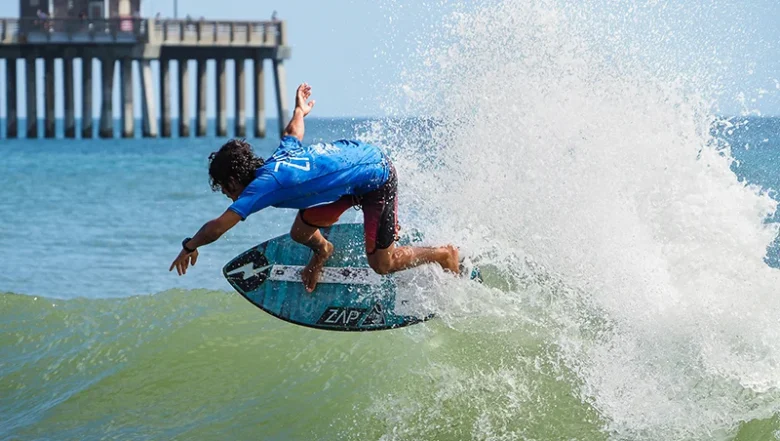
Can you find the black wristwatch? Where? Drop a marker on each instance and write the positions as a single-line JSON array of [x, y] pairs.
[[184, 245]]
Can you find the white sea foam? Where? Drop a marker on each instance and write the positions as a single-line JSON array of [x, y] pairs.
[[562, 139]]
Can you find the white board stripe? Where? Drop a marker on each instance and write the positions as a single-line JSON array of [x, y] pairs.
[[341, 275]]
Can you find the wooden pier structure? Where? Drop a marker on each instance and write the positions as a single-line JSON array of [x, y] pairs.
[[125, 43]]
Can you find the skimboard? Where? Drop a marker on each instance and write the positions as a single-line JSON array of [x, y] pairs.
[[350, 296]]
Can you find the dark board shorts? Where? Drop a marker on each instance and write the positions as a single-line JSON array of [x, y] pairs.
[[380, 213]]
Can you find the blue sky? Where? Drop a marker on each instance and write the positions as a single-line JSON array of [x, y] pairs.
[[333, 47], [337, 45]]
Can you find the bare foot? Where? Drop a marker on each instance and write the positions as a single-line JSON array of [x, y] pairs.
[[311, 274], [451, 263]]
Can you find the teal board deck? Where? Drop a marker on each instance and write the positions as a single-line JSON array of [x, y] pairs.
[[352, 297]]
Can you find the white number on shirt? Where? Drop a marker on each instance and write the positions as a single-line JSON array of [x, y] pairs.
[[302, 164]]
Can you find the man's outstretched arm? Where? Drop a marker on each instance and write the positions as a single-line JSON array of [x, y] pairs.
[[214, 229], [209, 232], [302, 108], [295, 127]]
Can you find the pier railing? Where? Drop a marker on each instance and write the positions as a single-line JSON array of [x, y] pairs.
[[228, 33], [142, 31]]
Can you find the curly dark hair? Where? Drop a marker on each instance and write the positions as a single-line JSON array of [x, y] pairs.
[[234, 164]]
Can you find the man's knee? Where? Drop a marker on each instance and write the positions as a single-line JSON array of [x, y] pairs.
[[300, 231], [381, 264], [297, 235]]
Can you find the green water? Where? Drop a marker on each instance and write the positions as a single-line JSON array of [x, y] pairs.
[[206, 365]]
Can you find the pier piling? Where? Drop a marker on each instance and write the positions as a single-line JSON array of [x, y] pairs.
[[281, 86], [149, 115], [107, 98], [67, 91], [11, 119], [240, 99], [221, 98], [87, 119], [184, 98], [260, 99], [200, 99], [48, 98], [31, 100], [127, 108], [165, 98]]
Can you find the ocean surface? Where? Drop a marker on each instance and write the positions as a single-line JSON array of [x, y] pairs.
[[627, 232], [100, 341]]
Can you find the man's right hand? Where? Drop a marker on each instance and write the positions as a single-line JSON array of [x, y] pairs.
[[303, 93]]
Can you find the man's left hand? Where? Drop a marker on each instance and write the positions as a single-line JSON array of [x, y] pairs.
[[301, 96], [183, 261]]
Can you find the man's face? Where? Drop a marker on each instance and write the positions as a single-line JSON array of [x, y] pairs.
[[233, 195]]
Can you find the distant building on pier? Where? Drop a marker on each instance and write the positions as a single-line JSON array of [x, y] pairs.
[[94, 9]]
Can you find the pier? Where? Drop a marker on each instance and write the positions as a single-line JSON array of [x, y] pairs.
[[127, 44]]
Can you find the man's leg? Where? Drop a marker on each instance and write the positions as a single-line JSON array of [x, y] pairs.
[[392, 258], [322, 249], [380, 211], [306, 231]]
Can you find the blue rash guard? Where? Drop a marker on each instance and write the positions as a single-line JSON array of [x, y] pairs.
[[298, 176]]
